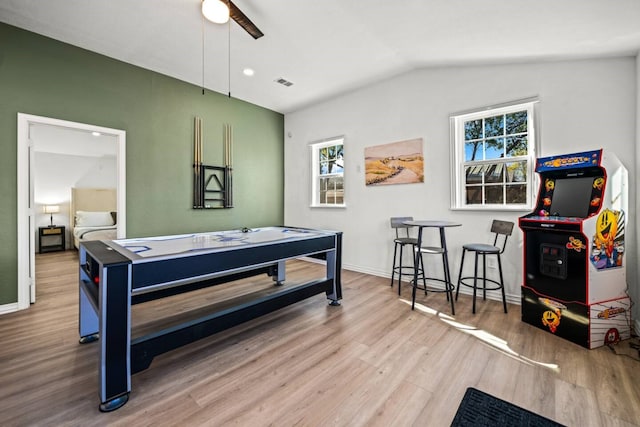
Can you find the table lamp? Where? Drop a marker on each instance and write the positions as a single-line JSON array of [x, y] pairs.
[[51, 209]]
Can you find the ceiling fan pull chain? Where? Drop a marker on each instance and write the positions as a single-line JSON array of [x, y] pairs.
[[229, 63], [202, 25]]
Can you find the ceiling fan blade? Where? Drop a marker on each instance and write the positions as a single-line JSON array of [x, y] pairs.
[[242, 20]]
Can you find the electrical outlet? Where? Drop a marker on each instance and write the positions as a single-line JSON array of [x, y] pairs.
[[492, 262]]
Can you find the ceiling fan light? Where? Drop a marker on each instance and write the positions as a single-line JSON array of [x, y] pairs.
[[215, 11]]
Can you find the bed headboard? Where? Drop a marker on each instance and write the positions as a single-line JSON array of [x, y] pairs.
[[93, 200]]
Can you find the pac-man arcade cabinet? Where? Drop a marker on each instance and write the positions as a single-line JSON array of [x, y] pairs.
[[574, 275]]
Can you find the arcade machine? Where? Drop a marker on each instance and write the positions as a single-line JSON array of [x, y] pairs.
[[575, 276]]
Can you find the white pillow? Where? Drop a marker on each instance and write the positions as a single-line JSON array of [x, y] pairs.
[[93, 219]]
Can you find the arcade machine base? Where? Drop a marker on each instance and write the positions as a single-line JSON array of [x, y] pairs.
[[589, 326]]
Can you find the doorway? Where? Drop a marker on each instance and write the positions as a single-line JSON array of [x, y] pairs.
[[27, 225]]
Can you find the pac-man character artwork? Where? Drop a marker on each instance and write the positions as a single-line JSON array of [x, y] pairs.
[[608, 242]]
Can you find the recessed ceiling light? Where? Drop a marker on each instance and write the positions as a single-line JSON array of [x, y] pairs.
[[96, 133], [248, 72]]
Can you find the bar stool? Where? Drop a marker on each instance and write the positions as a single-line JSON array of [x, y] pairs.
[[502, 230], [402, 239]]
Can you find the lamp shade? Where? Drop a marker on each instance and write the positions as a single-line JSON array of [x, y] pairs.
[[51, 209], [215, 11]]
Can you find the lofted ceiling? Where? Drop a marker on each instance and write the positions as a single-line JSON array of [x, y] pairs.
[[71, 142], [329, 47]]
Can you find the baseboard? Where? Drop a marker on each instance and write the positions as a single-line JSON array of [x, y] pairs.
[[8, 308], [493, 295], [357, 269], [371, 271]]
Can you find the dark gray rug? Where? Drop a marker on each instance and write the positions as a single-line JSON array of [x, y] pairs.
[[481, 409]]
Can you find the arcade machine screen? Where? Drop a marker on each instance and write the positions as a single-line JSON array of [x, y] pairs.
[[571, 197]]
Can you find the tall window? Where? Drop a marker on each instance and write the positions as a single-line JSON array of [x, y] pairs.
[[494, 155], [327, 165]]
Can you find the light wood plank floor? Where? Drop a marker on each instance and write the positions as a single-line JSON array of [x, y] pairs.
[[370, 362]]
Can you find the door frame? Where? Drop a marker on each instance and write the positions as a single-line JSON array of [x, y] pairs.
[[25, 197]]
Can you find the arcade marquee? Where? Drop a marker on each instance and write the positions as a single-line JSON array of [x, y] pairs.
[[574, 268]]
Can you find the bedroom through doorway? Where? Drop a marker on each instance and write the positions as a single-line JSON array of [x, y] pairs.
[[64, 167]]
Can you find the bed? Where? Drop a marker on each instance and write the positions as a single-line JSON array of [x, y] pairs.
[[94, 214]]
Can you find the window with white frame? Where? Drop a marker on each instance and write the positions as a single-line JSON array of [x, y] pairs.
[[327, 166], [494, 152]]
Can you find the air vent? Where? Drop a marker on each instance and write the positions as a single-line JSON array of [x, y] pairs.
[[284, 82]]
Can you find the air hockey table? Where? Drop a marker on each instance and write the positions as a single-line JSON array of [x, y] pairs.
[[116, 274]]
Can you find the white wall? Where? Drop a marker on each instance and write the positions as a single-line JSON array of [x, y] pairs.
[[584, 105], [55, 175], [633, 187]]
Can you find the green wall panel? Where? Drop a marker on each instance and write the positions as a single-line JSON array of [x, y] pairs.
[[48, 78]]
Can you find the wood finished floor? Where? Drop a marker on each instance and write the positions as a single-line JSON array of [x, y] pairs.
[[370, 362]]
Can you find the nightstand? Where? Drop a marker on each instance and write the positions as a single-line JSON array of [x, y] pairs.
[[51, 239]]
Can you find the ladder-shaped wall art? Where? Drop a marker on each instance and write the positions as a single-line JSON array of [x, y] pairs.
[[212, 185]]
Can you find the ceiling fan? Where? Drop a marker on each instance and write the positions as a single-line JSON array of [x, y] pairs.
[[219, 11]]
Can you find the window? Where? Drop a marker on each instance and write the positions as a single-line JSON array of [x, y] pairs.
[[493, 151], [327, 166]]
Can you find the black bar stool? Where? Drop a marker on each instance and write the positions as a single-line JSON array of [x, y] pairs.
[[403, 238], [502, 230]]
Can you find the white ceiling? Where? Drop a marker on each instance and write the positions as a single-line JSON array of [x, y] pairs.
[[330, 47], [73, 142]]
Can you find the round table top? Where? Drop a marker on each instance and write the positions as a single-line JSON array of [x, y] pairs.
[[433, 223]]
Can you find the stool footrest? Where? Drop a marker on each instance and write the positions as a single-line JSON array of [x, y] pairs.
[[447, 287], [480, 280], [409, 270]]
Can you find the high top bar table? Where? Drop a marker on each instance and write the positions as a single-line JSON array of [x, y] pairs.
[[441, 250]]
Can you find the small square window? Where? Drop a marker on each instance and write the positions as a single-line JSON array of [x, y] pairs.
[[327, 166]]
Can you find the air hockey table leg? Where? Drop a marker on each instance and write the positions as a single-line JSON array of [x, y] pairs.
[[88, 339], [115, 336], [88, 324], [115, 403], [278, 273], [333, 273]]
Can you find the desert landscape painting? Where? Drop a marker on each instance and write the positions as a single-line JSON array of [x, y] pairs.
[[395, 163]]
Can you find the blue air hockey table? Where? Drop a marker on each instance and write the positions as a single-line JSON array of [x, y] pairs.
[[116, 274]]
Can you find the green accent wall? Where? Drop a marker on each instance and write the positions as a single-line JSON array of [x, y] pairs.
[[44, 77]]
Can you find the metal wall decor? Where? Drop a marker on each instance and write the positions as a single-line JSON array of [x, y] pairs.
[[212, 184]]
